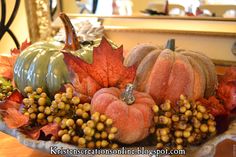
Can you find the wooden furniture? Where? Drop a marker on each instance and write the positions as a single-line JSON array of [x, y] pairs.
[[10, 146]]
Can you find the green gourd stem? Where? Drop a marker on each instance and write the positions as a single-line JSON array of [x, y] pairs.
[[71, 42], [171, 44], [127, 96]]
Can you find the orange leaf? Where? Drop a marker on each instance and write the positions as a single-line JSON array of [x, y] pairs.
[[107, 69], [49, 129], [23, 46], [214, 106], [7, 62], [226, 90], [13, 101], [14, 119]]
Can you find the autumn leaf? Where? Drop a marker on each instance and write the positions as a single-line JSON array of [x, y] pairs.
[[226, 90], [49, 129], [7, 62], [214, 106], [16, 96], [14, 119], [107, 69], [13, 101], [23, 46]]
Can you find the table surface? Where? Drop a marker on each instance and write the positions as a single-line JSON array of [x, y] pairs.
[[10, 147]]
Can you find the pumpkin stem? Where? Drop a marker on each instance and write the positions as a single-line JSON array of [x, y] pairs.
[[71, 42], [127, 96], [171, 44]]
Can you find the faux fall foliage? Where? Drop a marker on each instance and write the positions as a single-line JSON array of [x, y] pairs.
[[7, 62], [14, 119], [10, 107], [227, 88], [107, 70]]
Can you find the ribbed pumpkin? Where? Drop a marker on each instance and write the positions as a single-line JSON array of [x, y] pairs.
[[168, 73], [131, 111], [42, 65]]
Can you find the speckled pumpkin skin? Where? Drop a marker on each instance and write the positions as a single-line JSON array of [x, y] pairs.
[[133, 121]]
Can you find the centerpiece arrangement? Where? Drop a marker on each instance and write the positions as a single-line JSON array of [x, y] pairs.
[[85, 94]]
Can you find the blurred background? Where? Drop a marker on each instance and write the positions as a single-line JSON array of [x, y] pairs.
[[222, 8], [21, 13]]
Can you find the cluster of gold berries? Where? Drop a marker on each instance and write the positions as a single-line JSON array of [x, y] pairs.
[[64, 105], [94, 131], [36, 106], [77, 125], [5, 90], [41, 110], [183, 124]]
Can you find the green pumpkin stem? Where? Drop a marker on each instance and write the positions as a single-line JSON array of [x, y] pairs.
[[171, 44], [127, 96], [71, 43]]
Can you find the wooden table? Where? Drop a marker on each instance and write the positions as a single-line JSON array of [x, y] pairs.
[[10, 147]]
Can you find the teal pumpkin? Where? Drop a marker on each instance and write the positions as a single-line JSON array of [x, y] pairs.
[[41, 65]]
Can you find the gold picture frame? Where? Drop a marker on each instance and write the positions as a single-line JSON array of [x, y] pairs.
[[39, 18]]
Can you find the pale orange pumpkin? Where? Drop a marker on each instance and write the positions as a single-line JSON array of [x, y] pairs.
[[131, 111], [168, 73]]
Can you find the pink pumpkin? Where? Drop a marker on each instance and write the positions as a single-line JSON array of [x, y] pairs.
[[131, 111]]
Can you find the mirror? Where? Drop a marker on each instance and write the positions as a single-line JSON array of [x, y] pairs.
[[208, 8], [42, 13]]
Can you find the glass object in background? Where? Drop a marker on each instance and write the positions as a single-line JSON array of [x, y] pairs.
[[84, 6], [104, 7], [220, 8], [114, 7], [124, 7], [230, 14]]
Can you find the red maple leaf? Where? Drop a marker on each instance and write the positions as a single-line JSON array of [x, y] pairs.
[[49, 129], [7, 62], [107, 69], [13, 101], [14, 119]]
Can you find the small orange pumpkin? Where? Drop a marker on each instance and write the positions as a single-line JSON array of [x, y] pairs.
[[131, 111]]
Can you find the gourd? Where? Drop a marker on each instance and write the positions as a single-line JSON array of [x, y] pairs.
[[168, 73], [42, 65], [130, 110]]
